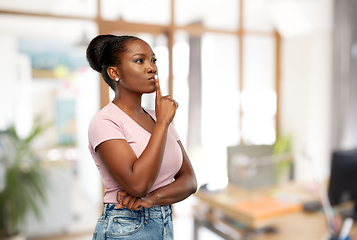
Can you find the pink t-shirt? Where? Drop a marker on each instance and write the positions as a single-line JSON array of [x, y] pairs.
[[112, 123]]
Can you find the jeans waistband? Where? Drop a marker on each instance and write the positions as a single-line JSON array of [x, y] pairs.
[[153, 212]]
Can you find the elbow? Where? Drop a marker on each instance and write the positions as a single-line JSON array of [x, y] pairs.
[[194, 190], [193, 187], [138, 194], [190, 185], [139, 191]]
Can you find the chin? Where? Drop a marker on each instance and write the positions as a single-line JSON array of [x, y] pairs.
[[150, 90]]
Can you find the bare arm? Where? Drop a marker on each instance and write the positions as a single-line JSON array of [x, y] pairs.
[[136, 175], [184, 185]]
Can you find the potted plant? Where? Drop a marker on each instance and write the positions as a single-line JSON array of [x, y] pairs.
[[23, 181], [283, 150]]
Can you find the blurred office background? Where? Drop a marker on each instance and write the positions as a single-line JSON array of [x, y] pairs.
[[245, 72]]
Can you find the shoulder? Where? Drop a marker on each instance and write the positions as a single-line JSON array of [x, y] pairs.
[[109, 112], [108, 116], [105, 113], [106, 124]]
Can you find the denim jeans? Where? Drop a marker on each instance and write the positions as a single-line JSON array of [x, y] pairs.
[[153, 223]]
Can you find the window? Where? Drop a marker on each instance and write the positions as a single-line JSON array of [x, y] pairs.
[[74, 8], [137, 11], [203, 12], [258, 96], [223, 71]]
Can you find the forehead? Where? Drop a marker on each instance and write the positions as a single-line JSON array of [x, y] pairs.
[[138, 47]]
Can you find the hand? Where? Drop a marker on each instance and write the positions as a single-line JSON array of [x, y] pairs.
[[134, 203], [147, 202], [165, 106], [128, 201]]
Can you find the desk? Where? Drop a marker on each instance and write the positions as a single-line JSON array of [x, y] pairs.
[[216, 213]]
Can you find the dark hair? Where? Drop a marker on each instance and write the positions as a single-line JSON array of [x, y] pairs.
[[104, 51]]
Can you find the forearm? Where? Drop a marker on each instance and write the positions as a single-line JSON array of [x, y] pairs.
[[176, 191], [147, 166]]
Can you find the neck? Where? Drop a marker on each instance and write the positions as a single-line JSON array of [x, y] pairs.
[[129, 103]]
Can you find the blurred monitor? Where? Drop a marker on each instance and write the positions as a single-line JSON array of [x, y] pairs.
[[243, 166], [343, 180]]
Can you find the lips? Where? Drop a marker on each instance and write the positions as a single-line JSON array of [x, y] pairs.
[[153, 78]]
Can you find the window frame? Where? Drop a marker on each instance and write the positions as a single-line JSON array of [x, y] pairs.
[[106, 26]]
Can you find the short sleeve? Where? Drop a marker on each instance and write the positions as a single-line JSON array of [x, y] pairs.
[[173, 132], [102, 128]]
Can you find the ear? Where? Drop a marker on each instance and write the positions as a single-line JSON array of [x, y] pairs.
[[113, 73]]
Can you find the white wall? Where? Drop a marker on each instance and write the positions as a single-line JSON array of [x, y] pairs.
[[306, 81], [15, 90]]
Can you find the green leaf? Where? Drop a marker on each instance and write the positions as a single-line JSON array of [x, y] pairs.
[[26, 182]]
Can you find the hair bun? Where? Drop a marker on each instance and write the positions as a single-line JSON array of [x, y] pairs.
[[95, 51]]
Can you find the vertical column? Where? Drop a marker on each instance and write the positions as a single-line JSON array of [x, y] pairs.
[[195, 94]]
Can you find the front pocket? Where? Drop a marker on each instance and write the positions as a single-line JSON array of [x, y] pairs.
[[119, 226]]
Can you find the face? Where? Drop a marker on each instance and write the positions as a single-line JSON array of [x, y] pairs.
[[138, 67]]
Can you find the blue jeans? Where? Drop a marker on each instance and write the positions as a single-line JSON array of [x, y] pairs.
[[153, 223]]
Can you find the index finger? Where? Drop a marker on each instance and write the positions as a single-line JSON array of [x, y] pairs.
[[158, 89]]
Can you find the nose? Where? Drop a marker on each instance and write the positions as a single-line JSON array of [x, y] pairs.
[[152, 68]]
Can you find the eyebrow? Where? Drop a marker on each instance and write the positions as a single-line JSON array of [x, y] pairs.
[[142, 54]]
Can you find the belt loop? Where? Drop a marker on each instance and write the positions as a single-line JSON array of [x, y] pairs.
[[163, 212], [104, 208], [146, 215]]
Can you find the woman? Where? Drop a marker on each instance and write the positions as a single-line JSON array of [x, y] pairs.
[[138, 153]]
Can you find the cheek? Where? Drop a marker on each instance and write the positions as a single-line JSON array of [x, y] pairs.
[[132, 78], [135, 81], [128, 75]]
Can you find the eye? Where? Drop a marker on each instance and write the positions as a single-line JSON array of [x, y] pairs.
[[154, 60], [139, 60]]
